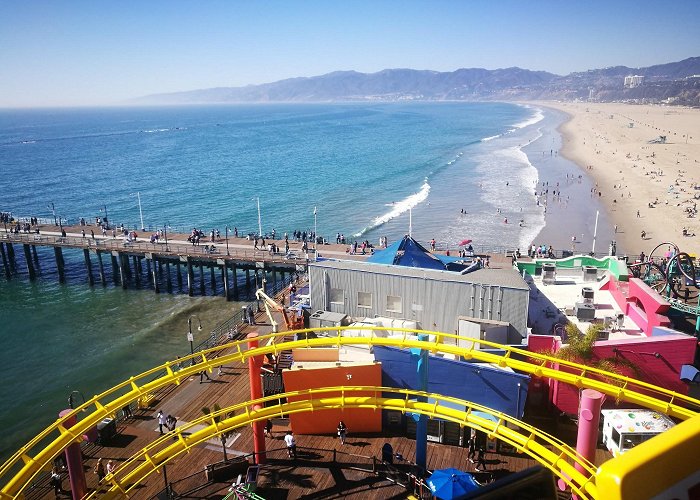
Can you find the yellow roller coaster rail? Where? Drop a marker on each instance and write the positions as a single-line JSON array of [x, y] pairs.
[[549, 451], [23, 466]]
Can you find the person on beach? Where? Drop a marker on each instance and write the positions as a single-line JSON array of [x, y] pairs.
[[342, 431]]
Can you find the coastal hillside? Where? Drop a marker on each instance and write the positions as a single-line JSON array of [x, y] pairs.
[[672, 83]]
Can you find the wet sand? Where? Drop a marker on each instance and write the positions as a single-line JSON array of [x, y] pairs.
[[643, 183], [571, 212]]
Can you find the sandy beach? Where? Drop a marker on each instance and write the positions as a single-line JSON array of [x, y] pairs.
[[645, 184]]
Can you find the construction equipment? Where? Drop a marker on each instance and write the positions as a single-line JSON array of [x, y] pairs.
[[291, 323]]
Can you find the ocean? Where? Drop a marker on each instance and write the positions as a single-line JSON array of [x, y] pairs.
[[447, 171]]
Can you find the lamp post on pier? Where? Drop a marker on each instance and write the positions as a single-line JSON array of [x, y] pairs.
[[259, 218], [165, 231], [227, 241], [53, 211], [106, 219], [138, 196], [315, 237], [190, 336]]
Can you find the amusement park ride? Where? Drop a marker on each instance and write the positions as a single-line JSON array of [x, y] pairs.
[[673, 275]]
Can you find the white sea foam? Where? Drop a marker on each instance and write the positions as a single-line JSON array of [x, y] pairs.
[[398, 208], [486, 139], [536, 117], [153, 131]]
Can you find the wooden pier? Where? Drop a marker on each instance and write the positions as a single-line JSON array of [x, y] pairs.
[[170, 265]]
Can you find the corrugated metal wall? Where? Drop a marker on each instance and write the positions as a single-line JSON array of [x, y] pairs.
[[435, 304]]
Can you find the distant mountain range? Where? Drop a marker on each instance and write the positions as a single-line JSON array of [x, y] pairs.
[[673, 83]]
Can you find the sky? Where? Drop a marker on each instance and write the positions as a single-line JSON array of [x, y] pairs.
[[83, 53]]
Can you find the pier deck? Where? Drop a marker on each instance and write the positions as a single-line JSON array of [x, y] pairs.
[[318, 472]]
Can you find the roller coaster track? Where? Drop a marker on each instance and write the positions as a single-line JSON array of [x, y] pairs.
[[527, 439], [18, 472]]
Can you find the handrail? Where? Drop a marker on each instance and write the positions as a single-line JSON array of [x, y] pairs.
[[173, 247]]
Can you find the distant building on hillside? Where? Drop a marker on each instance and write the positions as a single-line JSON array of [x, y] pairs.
[[633, 81]]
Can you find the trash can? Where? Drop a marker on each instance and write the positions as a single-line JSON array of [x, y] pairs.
[[387, 453], [106, 430]]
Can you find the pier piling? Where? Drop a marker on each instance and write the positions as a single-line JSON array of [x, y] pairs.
[[169, 279], [101, 268], [30, 263], [5, 264], [60, 264], [88, 266]]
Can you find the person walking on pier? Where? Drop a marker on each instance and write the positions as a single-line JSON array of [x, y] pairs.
[[203, 374], [99, 470], [480, 460], [56, 482], [268, 428], [342, 431], [472, 445], [291, 444], [161, 421]]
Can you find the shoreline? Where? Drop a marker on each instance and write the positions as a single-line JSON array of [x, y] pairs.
[[565, 190], [644, 183]]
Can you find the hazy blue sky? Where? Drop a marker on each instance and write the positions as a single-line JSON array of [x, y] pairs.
[[87, 52]]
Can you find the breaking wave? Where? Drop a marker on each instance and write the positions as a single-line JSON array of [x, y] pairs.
[[398, 208]]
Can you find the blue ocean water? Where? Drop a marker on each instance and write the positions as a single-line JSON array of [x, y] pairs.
[[370, 170]]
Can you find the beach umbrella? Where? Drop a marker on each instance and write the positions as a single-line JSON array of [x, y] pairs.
[[464, 242], [451, 484]]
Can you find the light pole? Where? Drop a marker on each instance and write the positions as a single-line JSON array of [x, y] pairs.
[[138, 195], [53, 211], [106, 219], [259, 219], [315, 237], [165, 231], [227, 241], [190, 337]]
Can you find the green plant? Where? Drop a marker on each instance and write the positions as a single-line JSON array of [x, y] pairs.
[[580, 350]]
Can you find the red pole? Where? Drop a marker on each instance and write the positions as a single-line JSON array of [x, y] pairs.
[[254, 374], [74, 461]]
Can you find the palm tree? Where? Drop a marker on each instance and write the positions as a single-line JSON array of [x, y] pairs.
[[218, 417], [580, 350]]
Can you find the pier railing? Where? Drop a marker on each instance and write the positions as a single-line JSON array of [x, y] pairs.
[[172, 247], [229, 329]]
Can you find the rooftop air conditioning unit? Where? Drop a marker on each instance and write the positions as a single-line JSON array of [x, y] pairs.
[[587, 294], [620, 320], [549, 273], [590, 273], [584, 311]]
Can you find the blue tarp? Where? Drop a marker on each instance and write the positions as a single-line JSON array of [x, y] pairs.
[[407, 252]]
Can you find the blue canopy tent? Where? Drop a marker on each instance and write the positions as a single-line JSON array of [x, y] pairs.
[[407, 252], [451, 484]]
